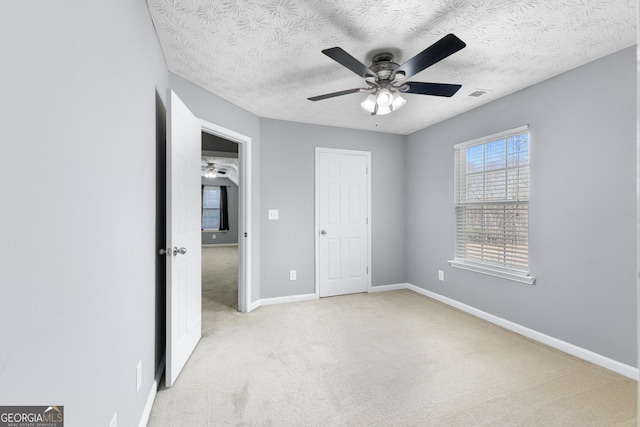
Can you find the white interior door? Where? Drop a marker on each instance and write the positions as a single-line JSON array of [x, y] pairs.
[[184, 280], [342, 212]]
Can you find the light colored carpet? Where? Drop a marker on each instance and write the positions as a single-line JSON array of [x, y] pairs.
[[219, 286], [388, 359]]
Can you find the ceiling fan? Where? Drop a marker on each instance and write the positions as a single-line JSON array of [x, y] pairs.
[[386, 79], [209, 171], [213, 170]]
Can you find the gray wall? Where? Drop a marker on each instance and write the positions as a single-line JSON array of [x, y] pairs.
[[231, 235], [216, 110], [84, 81], [582, 207], [288, 176]]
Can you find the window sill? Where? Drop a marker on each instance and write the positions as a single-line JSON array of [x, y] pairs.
[[496, 272]]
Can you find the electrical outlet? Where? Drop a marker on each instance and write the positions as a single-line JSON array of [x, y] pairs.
[[293, 275], [441, 275], [273, 214], [138, 376], [114, 420], [213, 236]]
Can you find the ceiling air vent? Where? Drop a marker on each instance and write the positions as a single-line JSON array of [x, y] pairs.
[[477, 93]]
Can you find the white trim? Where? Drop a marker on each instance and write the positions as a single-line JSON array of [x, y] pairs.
[[367, 155], [252, 306], [385, 288], [470, 264], [217, 245], [495, 272], [286, 300], [498, 135], [146, 412], [316, 224], [244, 154], [579, 352], [224, 132], [370, 221]]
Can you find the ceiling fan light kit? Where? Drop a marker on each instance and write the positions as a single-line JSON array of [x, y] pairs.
[[383, 102], [385, 78], [210, 172], [213, 170]]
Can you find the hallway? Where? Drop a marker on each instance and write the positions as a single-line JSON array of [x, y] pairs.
[[219, 285]]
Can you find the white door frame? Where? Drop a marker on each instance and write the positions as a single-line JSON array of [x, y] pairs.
[[367, 154], [244, 209]]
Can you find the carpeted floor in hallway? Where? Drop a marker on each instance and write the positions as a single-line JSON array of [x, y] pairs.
[[219, 286]]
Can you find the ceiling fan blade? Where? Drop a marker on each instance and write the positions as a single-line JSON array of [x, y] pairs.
[[444, 47], [331, 95], [346, 60], [436, 89]]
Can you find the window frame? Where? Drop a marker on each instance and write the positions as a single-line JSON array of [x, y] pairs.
[[496, 270], [219, 209]]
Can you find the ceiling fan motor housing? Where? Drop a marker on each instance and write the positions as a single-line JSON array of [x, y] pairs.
[[383, 66]]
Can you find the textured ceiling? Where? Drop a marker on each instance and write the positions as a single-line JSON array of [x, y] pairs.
[[265, 56]]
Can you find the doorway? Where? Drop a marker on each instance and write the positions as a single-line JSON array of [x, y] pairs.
[[183, 245], [220, 228], [217, 141]]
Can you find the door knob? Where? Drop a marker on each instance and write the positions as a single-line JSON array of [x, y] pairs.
[[177, 251], [323, 232]]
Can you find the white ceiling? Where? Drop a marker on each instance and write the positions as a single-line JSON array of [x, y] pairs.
[[265, 56]]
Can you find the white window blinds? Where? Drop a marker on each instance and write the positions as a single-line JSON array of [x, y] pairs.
[[210, 208], [492, 201]]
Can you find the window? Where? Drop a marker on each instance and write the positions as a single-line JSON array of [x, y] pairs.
[[210, 208], [492, 205]]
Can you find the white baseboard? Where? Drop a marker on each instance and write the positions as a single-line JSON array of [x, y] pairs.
[[217, 245], [285, 300], [253, 306], [574, 350], [146, 413], [384, 288], [310, 297]]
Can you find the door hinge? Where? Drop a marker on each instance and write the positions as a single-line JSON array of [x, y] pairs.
[[367, 221], [367, 270]]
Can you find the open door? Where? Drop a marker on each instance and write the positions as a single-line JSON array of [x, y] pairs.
[[183, 250]]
